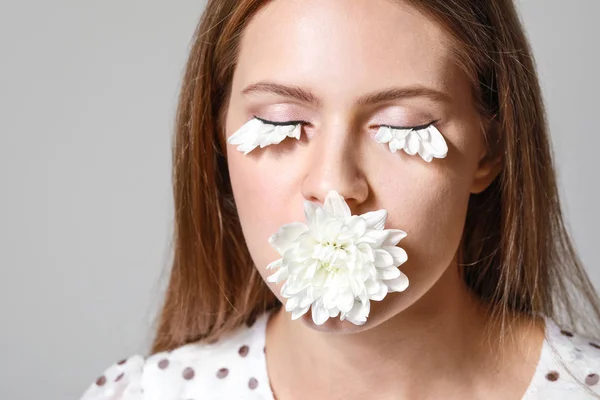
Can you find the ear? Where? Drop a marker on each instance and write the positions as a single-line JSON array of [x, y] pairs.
[[488, 168], [490, 158]]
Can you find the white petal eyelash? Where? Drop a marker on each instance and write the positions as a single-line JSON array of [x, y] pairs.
[[428, 142], [256, 133]]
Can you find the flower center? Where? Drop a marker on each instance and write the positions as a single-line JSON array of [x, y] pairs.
[[330, 257], [335, 245]]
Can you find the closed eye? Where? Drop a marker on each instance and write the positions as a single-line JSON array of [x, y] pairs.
[[414, 128], [426, 140], [423, 139], [283, 123], [259, 132], [302, 122]]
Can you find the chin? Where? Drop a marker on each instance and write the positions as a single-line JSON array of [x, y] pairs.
[[381, 311], [334, 325]]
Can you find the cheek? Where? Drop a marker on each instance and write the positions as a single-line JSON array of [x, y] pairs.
[[262, 205], [432, 211]]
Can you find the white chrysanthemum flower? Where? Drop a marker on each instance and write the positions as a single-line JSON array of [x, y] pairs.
[[256, 133], [337, 262], [428, 142]]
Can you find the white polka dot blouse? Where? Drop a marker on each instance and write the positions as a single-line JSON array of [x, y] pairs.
[[235, 368]]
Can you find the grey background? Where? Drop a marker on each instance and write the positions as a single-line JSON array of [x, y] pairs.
[[87, 98]]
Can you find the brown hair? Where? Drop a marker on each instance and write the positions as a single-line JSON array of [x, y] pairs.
[[516, 253]]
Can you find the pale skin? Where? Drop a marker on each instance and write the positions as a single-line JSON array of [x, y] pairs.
[[424, 343]]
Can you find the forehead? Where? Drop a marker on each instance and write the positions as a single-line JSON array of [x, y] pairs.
[[345, 47]]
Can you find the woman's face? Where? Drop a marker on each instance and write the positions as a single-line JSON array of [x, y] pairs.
[[334, 57]]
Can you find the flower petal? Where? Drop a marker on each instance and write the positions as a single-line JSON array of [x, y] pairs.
[[366, 252], [397, 285], [292, 303], [275, 264], [274, 137], [262, 134], [356, 227], [373, 237], [375, 219], [423, 134], [399, 254], [284, 239], [358, 314], [278, 276], [335, 204], [319, 315], [383, 259], [425, 155], [401, 134], [397, 144], [295, 267], [388, 273], [381, 293], [437, 142], [332, 229], [297, 313], [345, 301], [246, 133], [320, 277], [395, 236], [322, 218], [333, 312], [296, 132], [427, 148], [384, 135], [310, 209], [246, 148], [306, 301], [412, 147]]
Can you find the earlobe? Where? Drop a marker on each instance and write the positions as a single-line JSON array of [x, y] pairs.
[[488, 169]]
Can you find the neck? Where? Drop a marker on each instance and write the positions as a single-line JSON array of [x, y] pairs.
[[441, 338]]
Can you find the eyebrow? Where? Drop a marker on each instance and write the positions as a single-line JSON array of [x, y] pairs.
[[306, 96]]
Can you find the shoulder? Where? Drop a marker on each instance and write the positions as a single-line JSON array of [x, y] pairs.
[[233, 366], [569, 366], [119, 381]]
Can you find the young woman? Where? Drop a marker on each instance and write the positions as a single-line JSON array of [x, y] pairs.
[[383, 169]]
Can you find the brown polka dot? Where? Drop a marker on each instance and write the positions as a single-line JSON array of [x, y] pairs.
[[252, 383], [222, 373], [164, 363], [566, 333], [243, 351], [101, 381], [592, 379], [250, 321], [264, 350], [118, 378], [188, 374], [552, 376], [594, 345], [123, 361]]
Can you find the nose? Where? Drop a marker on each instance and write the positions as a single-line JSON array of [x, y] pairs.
[[334, 163]]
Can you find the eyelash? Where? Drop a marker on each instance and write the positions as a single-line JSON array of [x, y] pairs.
[[286, 123], [301, 122], [414, 128]]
